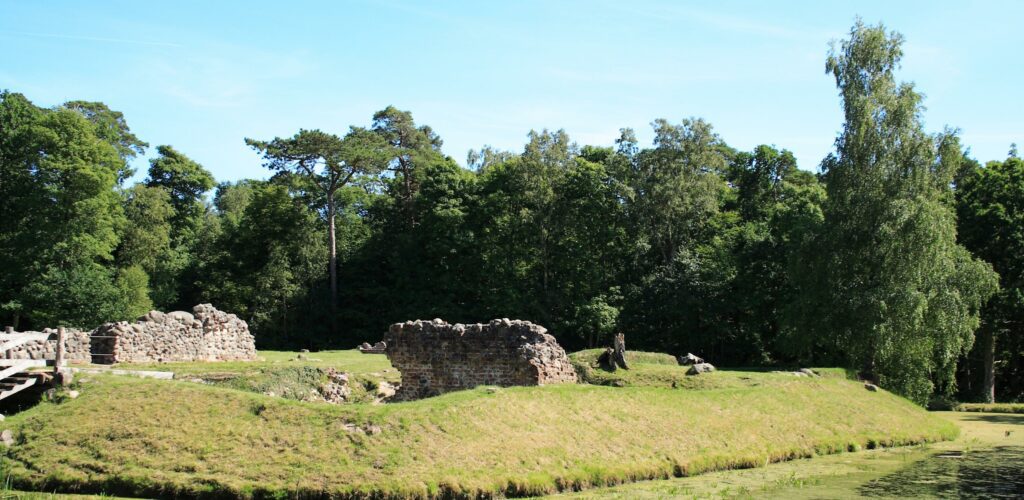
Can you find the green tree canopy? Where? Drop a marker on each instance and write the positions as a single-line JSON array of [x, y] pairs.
[[329, 162], [409, 147], [112, 127], [990, 205], [894, 290], [185, 180], [62, 219]]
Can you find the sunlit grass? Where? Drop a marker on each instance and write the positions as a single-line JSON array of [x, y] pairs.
[[837, 476], [662, 370], [351, 361], [991, 407], [151, 437]]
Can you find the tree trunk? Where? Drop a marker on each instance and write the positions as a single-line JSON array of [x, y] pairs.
[[868, 369], [619, 351], [284, 322], [544, 259], [407, 196], [332, 263], [988, 354]]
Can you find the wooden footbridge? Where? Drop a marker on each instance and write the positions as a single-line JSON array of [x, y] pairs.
[[17, 375]]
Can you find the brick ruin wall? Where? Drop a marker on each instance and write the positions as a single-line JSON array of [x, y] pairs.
[[435, 357], [206, 334]]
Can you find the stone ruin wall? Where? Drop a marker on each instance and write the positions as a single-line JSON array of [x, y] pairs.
[[435, 357], [206, 334], [76, 347]]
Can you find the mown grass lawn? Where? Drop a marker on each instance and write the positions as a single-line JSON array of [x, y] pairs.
[[284, 374], [351, 361], [160, 438], [991, 407], [837, 476], [652, 369]]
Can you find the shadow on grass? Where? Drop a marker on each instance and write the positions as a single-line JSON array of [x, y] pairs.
[[1002, 418], [23, 400]]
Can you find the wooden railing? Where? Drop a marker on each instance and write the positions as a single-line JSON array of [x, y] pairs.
[[12, 371]]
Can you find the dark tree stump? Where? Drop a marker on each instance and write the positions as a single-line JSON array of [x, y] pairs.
[[619, 351], [614, 357], [607, 360]]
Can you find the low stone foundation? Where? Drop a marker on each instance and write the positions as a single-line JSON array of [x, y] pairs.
[[206, 334], [76, 347], [435, 357]]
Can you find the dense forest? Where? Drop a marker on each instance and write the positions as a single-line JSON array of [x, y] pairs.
[[902, 258]]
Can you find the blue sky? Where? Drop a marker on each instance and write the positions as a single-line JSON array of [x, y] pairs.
[[202, 75]]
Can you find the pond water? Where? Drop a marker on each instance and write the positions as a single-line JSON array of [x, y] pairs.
[[989, 473]]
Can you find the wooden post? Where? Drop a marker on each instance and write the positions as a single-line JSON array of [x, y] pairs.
[[9, 329], [58, 358]]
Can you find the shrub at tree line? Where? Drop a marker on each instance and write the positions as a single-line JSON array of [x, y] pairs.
[[891, 260]]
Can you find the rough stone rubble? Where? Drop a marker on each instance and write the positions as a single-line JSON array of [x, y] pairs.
[[206, 334], [377, 348], [435, 357], [76, 347]]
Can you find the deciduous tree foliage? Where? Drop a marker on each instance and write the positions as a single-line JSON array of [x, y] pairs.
[[990, 205], [893, 290], [111, 126], [146, 242], [61, 219], [182, 183], [185, 181], [267, 264]]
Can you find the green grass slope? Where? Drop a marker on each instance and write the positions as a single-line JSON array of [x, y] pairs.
[[163, 438], [650, 369], [285, 374], [351, 361]]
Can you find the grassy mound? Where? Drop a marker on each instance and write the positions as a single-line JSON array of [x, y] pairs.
[[286, 374], [649, 369], [162, 438], [351, 361]]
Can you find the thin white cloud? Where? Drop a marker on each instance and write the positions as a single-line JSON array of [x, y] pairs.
[[725, 22], [94, 39], [8, 81], [223, 77]]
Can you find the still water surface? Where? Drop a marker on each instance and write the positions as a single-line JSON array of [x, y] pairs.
[[990, 473]]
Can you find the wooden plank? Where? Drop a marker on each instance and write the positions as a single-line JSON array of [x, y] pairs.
[[131, 373], [59, 357], [32, 336], [10, 341], [18, 388], [14, 342], [30, 363], [7, 372]]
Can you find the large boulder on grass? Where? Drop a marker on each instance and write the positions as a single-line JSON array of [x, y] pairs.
[[699, 368]]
